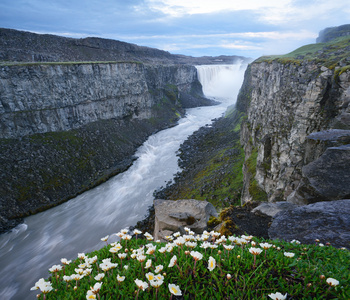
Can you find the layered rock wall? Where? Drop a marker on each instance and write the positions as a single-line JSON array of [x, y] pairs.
[[59, 97], [284, 103], [67, 127]]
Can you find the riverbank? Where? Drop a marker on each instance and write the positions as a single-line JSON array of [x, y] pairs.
[[211, 161]]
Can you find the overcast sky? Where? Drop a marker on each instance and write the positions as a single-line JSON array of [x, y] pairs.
[[192, 27]]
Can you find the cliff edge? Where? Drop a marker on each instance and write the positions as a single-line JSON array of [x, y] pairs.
[[297, 125]]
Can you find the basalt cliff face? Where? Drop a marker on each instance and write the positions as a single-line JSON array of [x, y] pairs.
[[68, 126], [296, 133], [50, 98]]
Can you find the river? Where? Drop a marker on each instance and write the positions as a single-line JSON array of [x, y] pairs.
[[30, 249]]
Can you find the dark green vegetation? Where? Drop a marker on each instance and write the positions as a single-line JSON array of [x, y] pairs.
[[328, 54], [211, 161], [236, 273]]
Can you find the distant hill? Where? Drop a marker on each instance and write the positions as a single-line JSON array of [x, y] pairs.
[[331, 33], [22, 46]]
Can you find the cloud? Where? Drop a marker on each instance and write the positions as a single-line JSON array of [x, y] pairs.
[[178, 8]]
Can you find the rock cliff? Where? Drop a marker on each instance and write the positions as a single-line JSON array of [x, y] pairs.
[[286, 99], [68, 126]]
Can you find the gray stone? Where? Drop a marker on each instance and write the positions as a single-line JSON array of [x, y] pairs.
[[271, 209], [171, 216], [329, 175], [327, 221]]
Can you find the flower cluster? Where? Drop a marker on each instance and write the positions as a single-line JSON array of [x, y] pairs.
[[134, 267]]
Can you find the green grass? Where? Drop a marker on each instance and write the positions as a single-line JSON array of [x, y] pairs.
[[328, 54], [237, 273]]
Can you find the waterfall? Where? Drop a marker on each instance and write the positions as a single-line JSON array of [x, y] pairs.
[[221, 82]]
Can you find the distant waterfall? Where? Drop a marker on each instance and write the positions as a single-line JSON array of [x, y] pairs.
[[221, 82]]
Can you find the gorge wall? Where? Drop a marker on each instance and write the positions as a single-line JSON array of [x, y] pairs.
[[297, 110], [66, 127]]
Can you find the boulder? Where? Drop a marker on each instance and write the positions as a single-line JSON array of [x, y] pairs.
[[271, 209], [328, 221], [325, 176], [172, 216], [330, 174]]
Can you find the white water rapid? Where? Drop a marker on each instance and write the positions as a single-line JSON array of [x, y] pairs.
[[29, 250]]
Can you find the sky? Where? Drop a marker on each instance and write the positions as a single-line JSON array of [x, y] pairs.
[[250, 28]]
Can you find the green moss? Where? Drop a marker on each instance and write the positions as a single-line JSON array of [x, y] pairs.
[[252, 161], [213, 221], [257, 193]]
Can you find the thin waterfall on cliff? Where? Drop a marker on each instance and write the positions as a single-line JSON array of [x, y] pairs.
[[221, 82]]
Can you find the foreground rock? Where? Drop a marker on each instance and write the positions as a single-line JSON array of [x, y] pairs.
[[172, 216], [327, 221], [271, 209]]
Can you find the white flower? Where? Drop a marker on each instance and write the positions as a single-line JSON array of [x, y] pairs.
[[141, 258], [79, 271], [205, 245], [211, 263], [295, 242], [127, 237], [55, 268], [191, 244], [255, 251], [104, 239], [159, 268], [67, 278], [174, 289], [228, 276], [96, 288], [122, 255], [141, 284], [120, 278], [228, 247], [265, 245], [162, 250], [150, 276], [289, 254], [64, 261], [136, 231], [90, 295], [76, 277], [159, 277], [87, 272], [172, 261], [113, 250], [196, 255], [180, 241], [148, 263], [156, 283], [332, 281], [126, 267], [176, 234], [81, 255], [278, 296], [99, 276], [44, 286], [151, 250]]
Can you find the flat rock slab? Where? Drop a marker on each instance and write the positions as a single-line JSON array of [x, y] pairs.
[[328, 221], [171, 216], [271, 209]]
